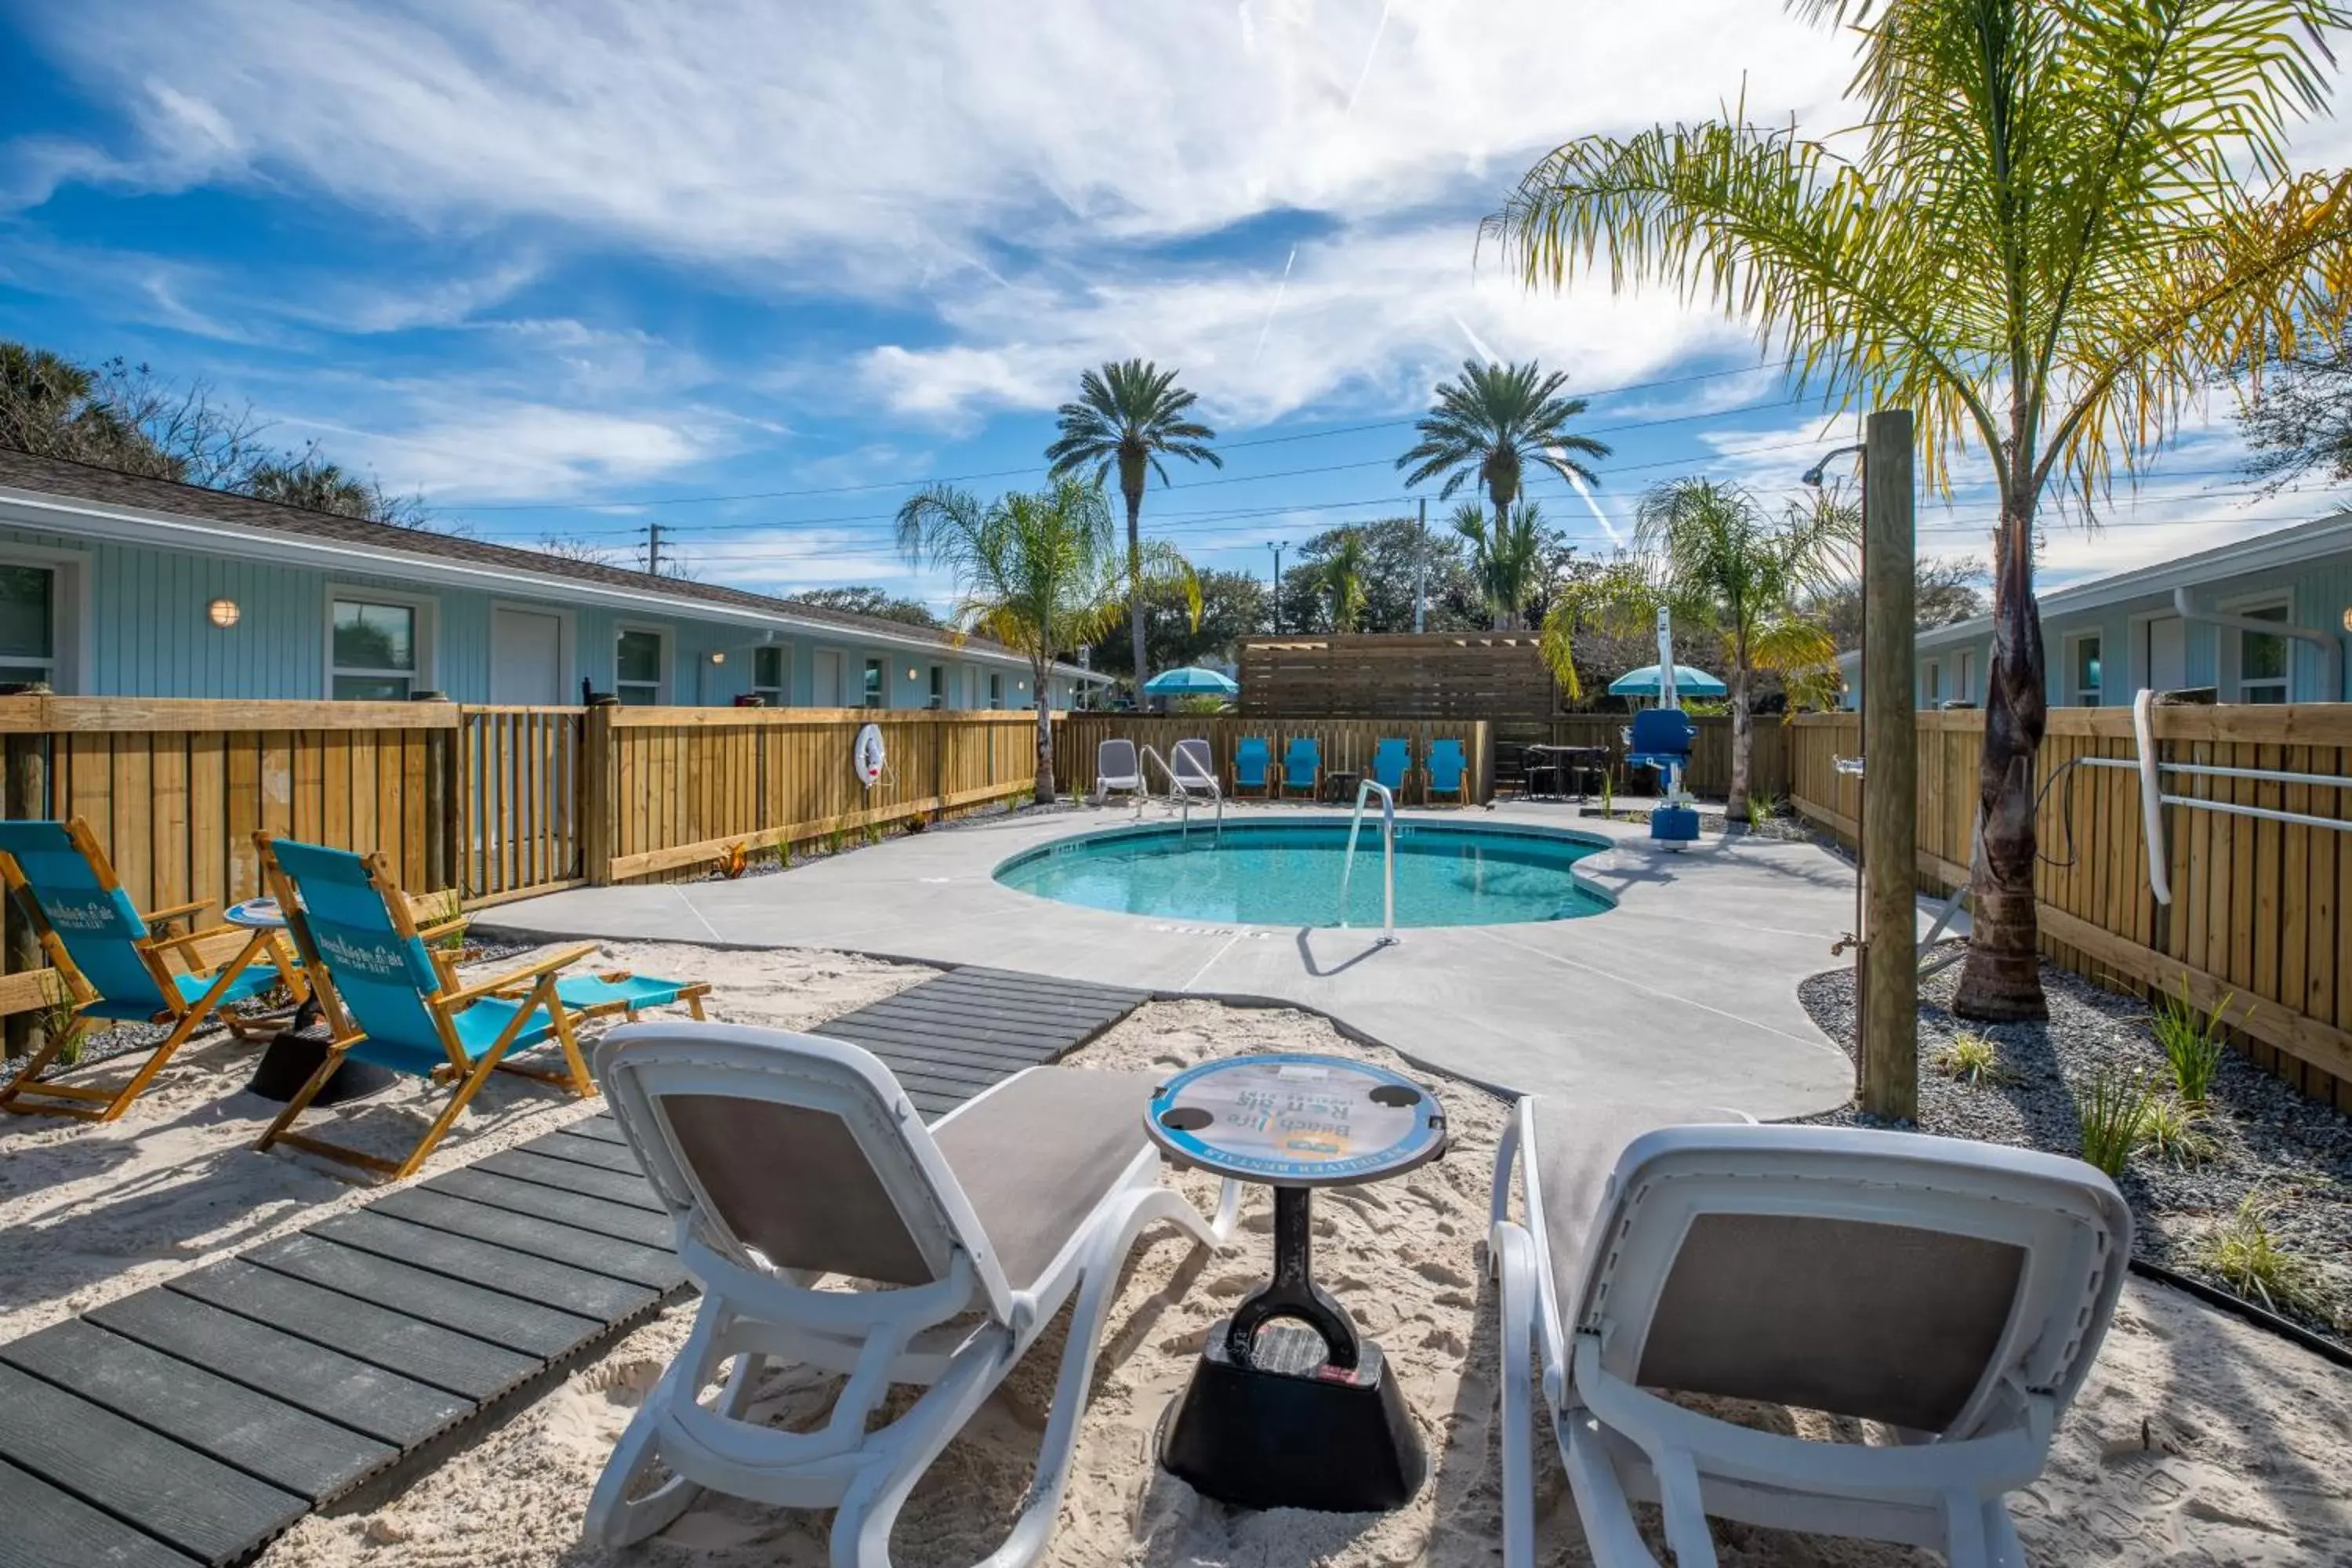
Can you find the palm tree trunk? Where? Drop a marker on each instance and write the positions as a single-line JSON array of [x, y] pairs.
[[1743, 730], [1506, 615], [1044, 733], [2002, 982], [1135, 589]]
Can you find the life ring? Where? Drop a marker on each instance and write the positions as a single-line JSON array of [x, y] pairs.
[[867, 755]]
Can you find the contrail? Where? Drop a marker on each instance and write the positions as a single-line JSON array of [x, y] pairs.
[[1268, 325], [1583, 492]]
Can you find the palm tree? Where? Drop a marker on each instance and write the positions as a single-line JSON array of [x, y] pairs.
[[2045, 244], [1494, 422], [1508, 560], [1722, 569], [1342, 575], [1040, 574], [312, 485], [1127, 416]]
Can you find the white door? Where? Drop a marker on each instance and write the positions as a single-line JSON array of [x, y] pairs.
[[2168, 654], [526, 656], [825, 689]]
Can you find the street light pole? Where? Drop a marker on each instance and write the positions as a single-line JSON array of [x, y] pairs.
[[1276, 545]]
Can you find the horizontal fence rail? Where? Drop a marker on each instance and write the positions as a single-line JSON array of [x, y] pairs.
[[2256, 917], [1346, 744]]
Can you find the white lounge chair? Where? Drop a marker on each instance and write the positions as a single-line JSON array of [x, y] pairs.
[[1118, 770], [1956, 1292], [1194, 770], [786, 1159]]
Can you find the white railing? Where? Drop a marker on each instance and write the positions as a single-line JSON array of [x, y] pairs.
[[1183, 789], [1364, 792]]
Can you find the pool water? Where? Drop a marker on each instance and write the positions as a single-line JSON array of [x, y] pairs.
[[1289, 873]]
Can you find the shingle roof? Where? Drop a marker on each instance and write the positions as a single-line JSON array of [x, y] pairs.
[[79, 481]]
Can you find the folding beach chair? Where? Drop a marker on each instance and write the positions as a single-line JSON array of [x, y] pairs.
[[1391, 758], [1117, 769], [115, 961], [392, 1001], [1953, 1291], [787, 1160], [1446, 771], [1302, 765], [1253, 765]]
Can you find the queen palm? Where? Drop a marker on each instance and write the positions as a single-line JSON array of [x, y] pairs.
[[1041, 573], [2059, 224], [1506, 559], [1127, 417], [1342, 575], [1491, 424]]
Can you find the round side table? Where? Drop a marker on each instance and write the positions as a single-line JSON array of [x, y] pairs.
[[1303, 1413]]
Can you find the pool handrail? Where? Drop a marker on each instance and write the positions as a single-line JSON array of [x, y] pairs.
[[1365, 790], [1181, 789]]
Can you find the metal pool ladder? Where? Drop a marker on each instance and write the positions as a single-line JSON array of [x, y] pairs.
[[1365, 791], [1182, 791]]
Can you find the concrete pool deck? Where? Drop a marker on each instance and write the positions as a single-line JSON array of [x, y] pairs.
[[1688, 988]]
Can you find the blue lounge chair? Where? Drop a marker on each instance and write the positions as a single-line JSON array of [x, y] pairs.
[[1447, 770], [393, 1002], [113, 963], [1302, 764], [1253, 761], [1390, 760]]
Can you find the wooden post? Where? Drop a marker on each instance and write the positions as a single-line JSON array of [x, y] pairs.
[[441, 795], [26, 796], [1890, 821], [598, 828]]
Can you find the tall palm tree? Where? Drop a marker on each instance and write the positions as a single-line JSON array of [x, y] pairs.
[[1506, 560], [1041, 573], [1343, 575], [2060, 224], [1491, 424], [312, 485], [1127, 417]]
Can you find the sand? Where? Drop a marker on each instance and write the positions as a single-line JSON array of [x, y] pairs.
[[2198, 1440], [89, 1213]]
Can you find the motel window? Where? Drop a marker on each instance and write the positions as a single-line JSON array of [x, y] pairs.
[[375, 651], [1965, 689], [638, 655], [769, 671], [939, 685], [2082, 672], [2263, 658], [29, 625], [873, 695], [995, 688], [1931, 684]]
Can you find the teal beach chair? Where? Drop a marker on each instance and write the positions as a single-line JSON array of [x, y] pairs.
[[1302, 765], [1253, 761], [1447, 769], [393, 1002], [1391, 759], [116, 963]]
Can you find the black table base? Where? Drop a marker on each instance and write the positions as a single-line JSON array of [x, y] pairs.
[[290, 1059], [1282, 1417]]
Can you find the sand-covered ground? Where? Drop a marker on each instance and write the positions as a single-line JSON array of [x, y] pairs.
[[2199, 1441]]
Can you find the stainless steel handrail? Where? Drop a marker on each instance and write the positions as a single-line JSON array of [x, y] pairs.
[[1182, 790], [1365, 790]]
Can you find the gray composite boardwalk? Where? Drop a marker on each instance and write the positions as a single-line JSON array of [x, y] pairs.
[[192, 1422]]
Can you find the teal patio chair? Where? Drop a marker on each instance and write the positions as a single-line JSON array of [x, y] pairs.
[[1302, 765], [1390, 760], [116, 963], [395, 1003], [1253, 762], [1447, 770]]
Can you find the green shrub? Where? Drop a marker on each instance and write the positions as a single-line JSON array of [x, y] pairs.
[[2175, 1129], [2248, 1257], [2115, 1118], [1973, 1058], [2191, 1042], [1760, 806]]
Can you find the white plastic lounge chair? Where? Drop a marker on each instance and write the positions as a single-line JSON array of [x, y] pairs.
[[1956, 1292], [1116, 768], [1194, 772], [785, 1159]]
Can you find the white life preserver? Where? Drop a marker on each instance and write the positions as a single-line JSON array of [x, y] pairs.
[[867, 755]]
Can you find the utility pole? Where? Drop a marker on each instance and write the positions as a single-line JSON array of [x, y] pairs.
[[1421, 572], [1890, 804], [653, 549], [1276, 545]]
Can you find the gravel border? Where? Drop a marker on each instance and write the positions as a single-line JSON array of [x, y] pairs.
[[2266, 1135]]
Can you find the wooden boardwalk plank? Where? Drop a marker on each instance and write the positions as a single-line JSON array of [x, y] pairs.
[[914, 1059], [424, 1352], [655, 1267], [635, 1192], [600, 1125], [596, 1297], [472, 1309], [594, 1151], [955, 1002], [966, 1039], [380, 1404], [174, 1493], [575, 1209], [41, 1526], [272, 1442]]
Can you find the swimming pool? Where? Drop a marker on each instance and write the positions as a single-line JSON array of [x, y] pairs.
[[1287, 873]]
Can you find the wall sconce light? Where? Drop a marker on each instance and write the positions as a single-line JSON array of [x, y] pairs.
[[1020, 686], [2347, 620], [717, 657], [910, 673], [224, 613]]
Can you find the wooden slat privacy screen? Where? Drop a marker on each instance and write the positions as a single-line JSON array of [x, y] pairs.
[[2257, 907], [1464, 675]]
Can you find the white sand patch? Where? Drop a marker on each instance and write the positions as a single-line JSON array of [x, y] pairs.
[[91, 1212], [2245, 1452]]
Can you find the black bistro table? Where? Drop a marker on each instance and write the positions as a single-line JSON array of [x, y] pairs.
[[1302, 1413], [295, 1052]]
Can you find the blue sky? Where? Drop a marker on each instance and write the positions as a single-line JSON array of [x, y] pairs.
[[568, 268]]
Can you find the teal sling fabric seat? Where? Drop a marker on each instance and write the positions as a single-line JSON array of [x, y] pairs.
[[1253, 763], [1302, 764], [1447, 769], [1390, 760]]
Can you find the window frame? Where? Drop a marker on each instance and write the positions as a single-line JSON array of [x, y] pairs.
[[996, 691], [1931, 684], [69, 619], [873, 688], [779, 694], [1964, 683], [2252, 605], [939, 687], [424, 637], [2074, 690], [666, 667]]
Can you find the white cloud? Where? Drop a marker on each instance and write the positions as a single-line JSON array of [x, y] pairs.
[[492, 448]]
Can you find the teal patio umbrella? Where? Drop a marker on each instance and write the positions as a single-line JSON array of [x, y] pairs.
[[1689, 682], [1191, 681]]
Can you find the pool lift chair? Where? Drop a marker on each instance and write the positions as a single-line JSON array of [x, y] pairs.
[[1661, 738]]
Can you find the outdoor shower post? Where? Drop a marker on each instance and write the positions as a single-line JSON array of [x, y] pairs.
[[1888, 1030]]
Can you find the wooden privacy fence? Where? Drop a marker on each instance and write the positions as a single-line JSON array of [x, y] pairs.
[[2257, 911], [1347, 743], [520, 770], [1710, 765]]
